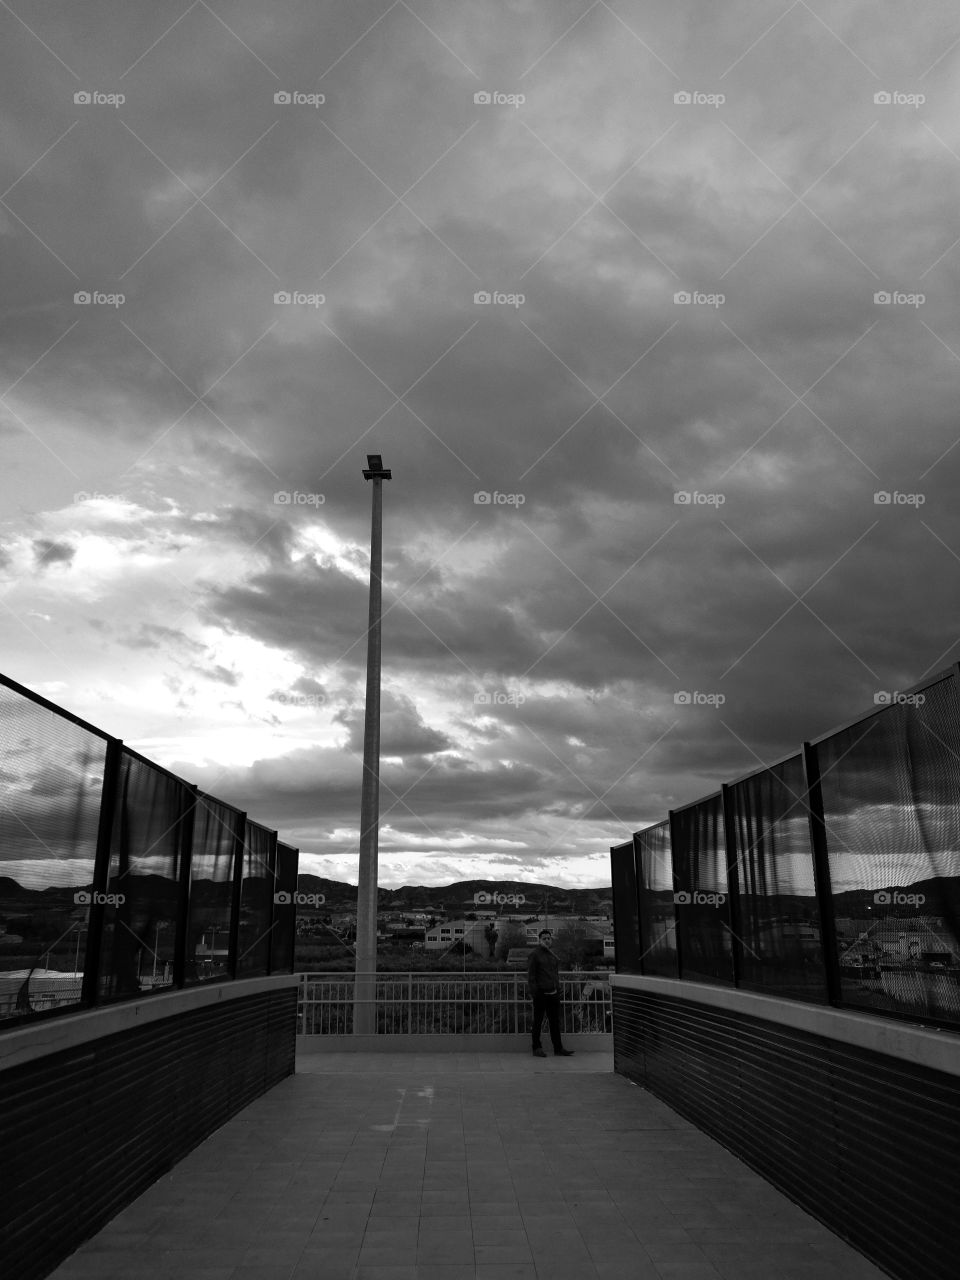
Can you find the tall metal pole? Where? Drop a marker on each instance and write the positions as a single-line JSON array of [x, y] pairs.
[[365, 981]]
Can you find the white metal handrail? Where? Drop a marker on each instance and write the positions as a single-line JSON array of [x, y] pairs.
[[424, 1002]]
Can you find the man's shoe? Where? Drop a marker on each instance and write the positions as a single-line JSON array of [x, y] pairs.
[[563, 1053], [538, 1053]]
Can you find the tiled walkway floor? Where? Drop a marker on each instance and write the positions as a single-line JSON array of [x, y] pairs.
[[462, 1167]]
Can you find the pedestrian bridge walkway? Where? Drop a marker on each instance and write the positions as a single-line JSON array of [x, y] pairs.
[[472, 1166]]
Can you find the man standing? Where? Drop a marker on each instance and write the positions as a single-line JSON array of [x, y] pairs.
[[543, 981]]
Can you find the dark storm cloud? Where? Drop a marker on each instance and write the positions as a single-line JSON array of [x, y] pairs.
[[813, 428], [47, 553]]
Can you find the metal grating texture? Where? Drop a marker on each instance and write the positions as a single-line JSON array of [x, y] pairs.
[[869, 1145], [702, 892], [658, 920], [890, 786], [94, 1126], [779, 917]]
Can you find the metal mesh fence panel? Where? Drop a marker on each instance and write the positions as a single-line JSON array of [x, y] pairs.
[[890, 788], [256, 900], [212, 865], [51, 779], [658, 936], [143, 885], [626, 915], [779, 915], [702, 892]]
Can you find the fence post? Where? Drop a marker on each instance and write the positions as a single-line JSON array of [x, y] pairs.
[[90, 989], [821, 872]]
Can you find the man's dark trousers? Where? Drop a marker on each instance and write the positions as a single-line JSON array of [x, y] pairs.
[[549, 1005]]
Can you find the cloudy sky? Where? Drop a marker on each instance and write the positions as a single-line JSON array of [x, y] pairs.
[[721, 244]]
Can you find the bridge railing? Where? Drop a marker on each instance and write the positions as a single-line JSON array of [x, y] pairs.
[[425, 1003]]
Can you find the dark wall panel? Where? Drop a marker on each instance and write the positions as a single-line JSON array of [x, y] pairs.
[[85, 1131], [869, 1144]]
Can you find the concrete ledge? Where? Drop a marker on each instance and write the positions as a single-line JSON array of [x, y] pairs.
[[66, 1031], [923, 1046], [443, 1043]]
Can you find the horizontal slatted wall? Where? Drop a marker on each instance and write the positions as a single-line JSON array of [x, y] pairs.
[[868, 1144], [85, 1131]]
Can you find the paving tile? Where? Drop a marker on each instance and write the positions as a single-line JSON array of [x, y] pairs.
[[520, 1174]]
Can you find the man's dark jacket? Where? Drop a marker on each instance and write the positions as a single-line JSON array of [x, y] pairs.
[[543, 971]]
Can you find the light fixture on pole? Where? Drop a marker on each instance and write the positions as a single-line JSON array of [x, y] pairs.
[[365, 980]]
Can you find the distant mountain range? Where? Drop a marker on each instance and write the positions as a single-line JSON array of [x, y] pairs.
[[435, 897], [339, 895]]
